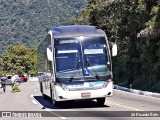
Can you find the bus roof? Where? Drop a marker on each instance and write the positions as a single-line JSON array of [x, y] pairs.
[[76, 30]]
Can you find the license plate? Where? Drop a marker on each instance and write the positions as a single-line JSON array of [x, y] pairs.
[[88, 94]]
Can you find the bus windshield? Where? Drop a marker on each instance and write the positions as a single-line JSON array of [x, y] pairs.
[[81, 57]]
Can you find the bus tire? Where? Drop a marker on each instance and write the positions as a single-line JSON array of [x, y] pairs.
[[44, 96], [41, 89], [100, 101], [55, 103]]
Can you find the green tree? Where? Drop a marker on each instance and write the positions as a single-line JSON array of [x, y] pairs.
[[135, 26], [19, 59]]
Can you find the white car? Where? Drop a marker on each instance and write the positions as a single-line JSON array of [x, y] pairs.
[[9, 81]]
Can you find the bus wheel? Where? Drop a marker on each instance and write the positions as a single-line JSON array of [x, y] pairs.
[[41, 89], [100, 101], [56, 103], [44, 96]]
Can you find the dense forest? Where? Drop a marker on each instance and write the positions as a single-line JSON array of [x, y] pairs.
[[135, 26], [27, 21]]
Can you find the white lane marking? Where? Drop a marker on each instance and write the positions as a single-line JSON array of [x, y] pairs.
[[34, 102], [64, 118], [31, 95], [47, 109], [35, 90]]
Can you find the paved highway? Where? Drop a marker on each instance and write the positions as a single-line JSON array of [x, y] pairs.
[[121, 105]]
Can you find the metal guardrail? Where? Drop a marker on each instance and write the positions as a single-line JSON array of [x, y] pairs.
[[140, 92]]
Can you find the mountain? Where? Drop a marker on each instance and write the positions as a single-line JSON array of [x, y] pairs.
[[27, 21]]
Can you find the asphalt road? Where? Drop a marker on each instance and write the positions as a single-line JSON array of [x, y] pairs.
[[121, 105]]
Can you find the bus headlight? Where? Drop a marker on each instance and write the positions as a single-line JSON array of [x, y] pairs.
[[64, 87], [106, 83]]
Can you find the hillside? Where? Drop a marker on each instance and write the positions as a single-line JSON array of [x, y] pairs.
[[27, 21]]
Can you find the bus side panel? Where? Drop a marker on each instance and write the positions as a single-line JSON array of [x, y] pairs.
[[43, 64]]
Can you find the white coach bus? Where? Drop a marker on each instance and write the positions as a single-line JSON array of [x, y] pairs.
[[74, 63]]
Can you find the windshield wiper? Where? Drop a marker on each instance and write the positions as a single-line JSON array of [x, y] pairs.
[[74, 74], [88, 64]]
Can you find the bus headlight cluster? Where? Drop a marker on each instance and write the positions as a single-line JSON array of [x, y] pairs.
[[105, 84], [64, 87]]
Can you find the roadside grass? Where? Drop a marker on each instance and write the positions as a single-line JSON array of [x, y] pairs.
[[15, 88], [156, 87], [142, 85]]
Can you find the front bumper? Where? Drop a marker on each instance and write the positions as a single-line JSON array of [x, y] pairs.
[[62, 95]]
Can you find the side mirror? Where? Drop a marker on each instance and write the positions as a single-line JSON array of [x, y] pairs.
[[114, 49], [49, 53]]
